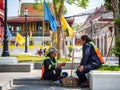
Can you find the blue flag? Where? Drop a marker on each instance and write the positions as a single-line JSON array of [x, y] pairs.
[[49, 16], [9, 35]]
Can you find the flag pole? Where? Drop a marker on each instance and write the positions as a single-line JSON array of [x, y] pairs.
[[73, 39], [43, 32], [43, 27]]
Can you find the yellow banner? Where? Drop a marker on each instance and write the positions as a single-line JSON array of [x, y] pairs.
[[65, 25], [20, 40]]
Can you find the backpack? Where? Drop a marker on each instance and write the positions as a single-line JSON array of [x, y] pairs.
[[97, 52]]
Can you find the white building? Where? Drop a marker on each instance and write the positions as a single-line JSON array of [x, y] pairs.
[[100, 27]]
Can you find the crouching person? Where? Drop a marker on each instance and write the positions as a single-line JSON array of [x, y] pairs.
[[51, 70]]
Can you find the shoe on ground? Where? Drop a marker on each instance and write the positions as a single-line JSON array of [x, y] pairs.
[[84, 85], [57, 83]]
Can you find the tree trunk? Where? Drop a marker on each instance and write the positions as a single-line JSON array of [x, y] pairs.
[[59, 42], [116, 15], [64, 42], [53, 38], [117, 30], [58, 13], [119, 60]]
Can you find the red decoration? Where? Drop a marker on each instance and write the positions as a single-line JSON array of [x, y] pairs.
[[2, 4]]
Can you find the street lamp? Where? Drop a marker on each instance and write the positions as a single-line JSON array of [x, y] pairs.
[[5, 52], [26, 14]]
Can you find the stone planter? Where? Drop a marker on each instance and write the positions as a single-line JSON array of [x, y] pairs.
[[104, 80]]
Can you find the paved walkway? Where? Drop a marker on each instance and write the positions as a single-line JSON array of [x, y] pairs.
[[4, 76], [40, 87]]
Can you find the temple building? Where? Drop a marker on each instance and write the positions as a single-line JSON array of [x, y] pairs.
[[35, 23]]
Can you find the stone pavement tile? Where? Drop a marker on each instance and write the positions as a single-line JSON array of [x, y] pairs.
[[33, 74], [39, 87], [14, 75]]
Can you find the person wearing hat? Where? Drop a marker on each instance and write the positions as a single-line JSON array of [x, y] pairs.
[[52, 70]]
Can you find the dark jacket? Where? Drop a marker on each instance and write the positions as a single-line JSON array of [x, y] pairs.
[[90, 56], [51, 73], [49, 64]]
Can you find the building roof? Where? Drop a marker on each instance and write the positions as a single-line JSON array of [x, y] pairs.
[[30, 19], [33, 9], [98, 14], [21, 19]]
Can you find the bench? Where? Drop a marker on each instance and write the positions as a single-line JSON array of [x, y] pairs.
[[104, 80]]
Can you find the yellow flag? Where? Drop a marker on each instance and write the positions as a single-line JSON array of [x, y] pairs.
[[20, 40], [66, 26]]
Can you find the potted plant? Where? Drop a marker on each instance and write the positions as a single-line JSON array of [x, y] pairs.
[[70, 49], [105, 78]]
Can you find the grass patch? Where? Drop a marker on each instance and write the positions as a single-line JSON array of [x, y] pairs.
[[29, 58], [22, 46], [109, 68], [64, 60]]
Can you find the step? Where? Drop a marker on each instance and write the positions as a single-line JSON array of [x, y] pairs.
[[38, 65], [32, 81], [42, 87], [20, 67], [5, 84]]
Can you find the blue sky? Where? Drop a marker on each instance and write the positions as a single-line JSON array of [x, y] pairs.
[[13, 7]]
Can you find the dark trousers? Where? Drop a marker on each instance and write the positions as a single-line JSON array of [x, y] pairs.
[[82, 75], [49, 75]]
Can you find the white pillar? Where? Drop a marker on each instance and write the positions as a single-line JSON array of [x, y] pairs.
[[107, 43], [100, 43], [68, 42], [103, 44], [96, 40]]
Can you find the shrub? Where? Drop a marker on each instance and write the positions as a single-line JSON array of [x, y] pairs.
[[70, 49], [64, 60], [31, 41], [109, 68], [116, 48]]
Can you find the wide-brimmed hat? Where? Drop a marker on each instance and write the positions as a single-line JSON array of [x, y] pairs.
[[52, 50]]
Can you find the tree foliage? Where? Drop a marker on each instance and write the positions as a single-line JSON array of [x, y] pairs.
[[108, 5], [116, 48], [76, 26], [114, 6], [79, 3]]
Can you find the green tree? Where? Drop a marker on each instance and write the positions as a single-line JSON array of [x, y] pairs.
[[58, 11], [76, 26], [114, 6]]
